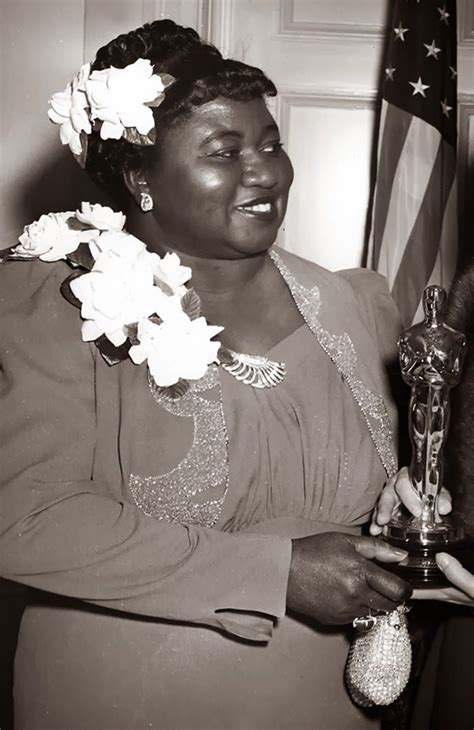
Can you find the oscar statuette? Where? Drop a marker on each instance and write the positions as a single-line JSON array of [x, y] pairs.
[[431, 358]]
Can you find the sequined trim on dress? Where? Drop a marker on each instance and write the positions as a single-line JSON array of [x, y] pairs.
[[205, 468], [341, 351], [204, 471]]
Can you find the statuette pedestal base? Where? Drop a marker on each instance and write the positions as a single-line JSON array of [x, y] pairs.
[[420, 568]]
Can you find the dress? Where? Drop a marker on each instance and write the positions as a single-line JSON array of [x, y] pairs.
[[171, 521]]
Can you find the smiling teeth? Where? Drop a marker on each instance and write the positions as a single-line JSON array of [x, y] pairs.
[[258, 208]]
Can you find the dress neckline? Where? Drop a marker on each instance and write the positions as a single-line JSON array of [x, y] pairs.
[[303, 324]]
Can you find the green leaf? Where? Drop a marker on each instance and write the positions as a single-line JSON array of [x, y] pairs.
[[134, 137], [8, 254], [131, 331], [82, 257], [191, 304], [66, 291], [81, 159], [111, 354], [156, 102]]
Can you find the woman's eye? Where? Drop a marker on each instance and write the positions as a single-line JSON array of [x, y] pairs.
[[273, 147], [227, 154]]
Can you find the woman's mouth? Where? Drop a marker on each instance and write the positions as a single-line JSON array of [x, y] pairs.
[[264, 211]]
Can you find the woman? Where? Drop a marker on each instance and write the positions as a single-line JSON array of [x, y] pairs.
[[167, 532]]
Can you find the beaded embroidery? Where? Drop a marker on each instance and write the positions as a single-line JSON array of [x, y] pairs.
[[204, 472], [341, 351]]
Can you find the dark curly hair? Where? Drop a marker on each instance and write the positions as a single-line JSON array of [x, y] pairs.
[[201, 74]]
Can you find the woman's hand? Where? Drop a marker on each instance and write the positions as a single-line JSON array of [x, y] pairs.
[[333, 579], [462, 589], [399, 490]]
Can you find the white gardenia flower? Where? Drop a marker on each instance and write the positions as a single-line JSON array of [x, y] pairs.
[[120, 244], [49, 238], [119, 290], [118, 96], [168, 271], [68, 108], [177, 348], [100, 217]]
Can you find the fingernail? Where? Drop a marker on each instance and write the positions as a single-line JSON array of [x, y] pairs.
[[442, 560], [401, 553]]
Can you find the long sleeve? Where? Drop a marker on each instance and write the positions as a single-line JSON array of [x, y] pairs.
[[62, 532]]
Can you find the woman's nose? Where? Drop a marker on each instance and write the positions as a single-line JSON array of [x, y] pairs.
[[259, 172]]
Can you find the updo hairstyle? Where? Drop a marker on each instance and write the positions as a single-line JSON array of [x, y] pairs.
[[201, 74]]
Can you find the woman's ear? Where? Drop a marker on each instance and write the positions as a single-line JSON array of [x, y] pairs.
[[137, 185]]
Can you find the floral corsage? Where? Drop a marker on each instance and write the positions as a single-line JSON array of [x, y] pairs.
[[134, 303]]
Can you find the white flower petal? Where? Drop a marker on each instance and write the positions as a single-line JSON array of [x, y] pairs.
[[75, 142], [100, 217], [90, 331], [137, 354], [109, 130], [56, 117], [140, 117], [117, 337]]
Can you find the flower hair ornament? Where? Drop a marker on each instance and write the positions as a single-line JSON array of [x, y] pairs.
[[116, 102], [133, 303]]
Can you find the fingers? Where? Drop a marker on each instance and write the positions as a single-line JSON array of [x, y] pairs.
[[378, 550], [385, 584], [385, 506], [406, 493], [388, 585], [444, 502], [400, 490], [446, 595], [456, 574], [376, 602]]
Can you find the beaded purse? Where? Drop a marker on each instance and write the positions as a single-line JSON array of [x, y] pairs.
[[379, 662]]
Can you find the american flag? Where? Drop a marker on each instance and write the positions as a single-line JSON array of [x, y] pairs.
[[413, 238]]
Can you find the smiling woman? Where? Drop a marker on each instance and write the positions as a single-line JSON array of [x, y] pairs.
[[191, 530], [233, 179]]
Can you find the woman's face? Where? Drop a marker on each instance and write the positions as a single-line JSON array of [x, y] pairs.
[[220, 181]]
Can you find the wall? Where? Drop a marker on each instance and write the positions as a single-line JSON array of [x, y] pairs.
[[324, 57]]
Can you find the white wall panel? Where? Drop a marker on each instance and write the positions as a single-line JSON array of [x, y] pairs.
[[105, 19], [193, 13], [330, 18], [465, 10], [330, 144], [41, 45]]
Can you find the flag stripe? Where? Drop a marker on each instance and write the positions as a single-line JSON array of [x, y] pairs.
[[395, 127], [445, 264], [423, 242], [414, 169]]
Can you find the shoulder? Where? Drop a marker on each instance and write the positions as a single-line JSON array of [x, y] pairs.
[[365, 281], [362, 293], [36, 321], [359, 282], [24, 281], [308, 272]]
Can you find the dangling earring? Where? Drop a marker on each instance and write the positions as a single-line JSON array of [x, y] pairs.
[[146, 202]]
